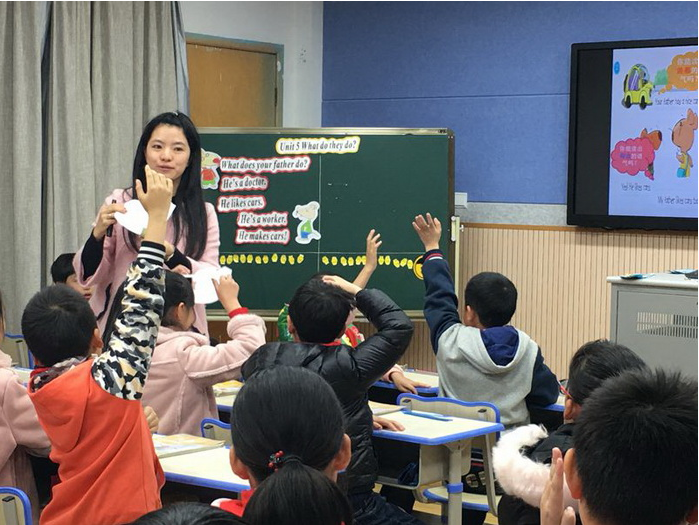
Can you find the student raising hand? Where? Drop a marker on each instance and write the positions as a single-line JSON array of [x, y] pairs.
[[227, 290], [341, 283], [372, 259], [156, 201], [429, 230], [552, 512]]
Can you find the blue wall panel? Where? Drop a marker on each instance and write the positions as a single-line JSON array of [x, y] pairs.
[[495, 72]]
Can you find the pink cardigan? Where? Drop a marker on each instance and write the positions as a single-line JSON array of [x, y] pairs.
[[20, 431], [117, 257], [185, 368]]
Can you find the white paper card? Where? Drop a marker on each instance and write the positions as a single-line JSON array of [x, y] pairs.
[[203, 283], [136, 218]]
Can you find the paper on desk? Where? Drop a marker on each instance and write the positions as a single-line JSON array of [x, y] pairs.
[[227, 388], [177, 444], [203, 283], [136, 218]]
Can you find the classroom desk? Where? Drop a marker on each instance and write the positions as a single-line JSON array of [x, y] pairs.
[[559, 405], [386, 392], [224, 404], [23, 373], [207, 468], [455, 435]]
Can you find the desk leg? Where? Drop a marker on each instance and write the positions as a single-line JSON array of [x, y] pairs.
[[454, 486]]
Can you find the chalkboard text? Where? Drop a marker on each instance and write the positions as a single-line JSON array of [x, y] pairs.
[[266, 165], [266, 220], [229, 203], [262, 236], [246, 182], [318, 145]]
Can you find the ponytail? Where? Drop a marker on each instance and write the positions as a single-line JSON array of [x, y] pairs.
[[297, 493], [287, 428]]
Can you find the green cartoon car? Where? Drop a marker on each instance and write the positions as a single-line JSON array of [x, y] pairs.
[[637, 87]]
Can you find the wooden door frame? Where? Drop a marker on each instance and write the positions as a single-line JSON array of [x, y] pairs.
[[247, 45]]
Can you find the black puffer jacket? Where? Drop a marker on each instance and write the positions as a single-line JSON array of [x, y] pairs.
[[350, 372]]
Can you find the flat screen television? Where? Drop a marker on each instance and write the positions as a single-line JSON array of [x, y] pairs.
[[632, 157]]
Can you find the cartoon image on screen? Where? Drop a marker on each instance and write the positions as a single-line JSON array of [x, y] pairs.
[[652, 132], [637, 87]]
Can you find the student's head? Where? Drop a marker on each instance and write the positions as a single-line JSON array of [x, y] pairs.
[[179, 302], [189, 513], [592, 364], [491, 300], [170, 145], [635, 449], [62, 272], [318, 312], [288, 439], [58, 323]]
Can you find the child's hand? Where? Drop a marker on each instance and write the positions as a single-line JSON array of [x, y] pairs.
[[105, 219], [156, 200], [403, 384], [182, 270], [151, 418], [341, 283], [552, 512], [429, 230], [227, 290], [169, 250], [387, 424], [372, 250]]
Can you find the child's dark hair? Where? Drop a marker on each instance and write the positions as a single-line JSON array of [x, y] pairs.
[[58, 323], [189, 217], [319, 311], [189, 513], [293, 411], [636, 447], [62, 268], [596, 361], [493, 297], [178, 289]]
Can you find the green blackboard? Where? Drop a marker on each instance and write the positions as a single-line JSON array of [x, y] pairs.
[[360, 179]]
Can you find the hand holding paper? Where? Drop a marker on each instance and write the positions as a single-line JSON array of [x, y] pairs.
[[203, 283], [136, 219]]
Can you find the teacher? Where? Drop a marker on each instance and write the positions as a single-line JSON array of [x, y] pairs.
[[169, 145]]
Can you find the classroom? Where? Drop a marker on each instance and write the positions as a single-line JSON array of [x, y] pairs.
[[473, 112]]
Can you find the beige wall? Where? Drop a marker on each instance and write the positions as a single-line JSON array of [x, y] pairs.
[[560, 274]]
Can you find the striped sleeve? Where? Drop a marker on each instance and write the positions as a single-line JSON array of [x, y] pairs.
[[122, 368]]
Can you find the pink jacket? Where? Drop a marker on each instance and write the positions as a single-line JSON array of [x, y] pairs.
[[20, 431], [185, 368], [117, 257]]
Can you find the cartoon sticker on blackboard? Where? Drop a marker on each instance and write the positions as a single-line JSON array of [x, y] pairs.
[[210, 162], [683, 138], [307, 214]]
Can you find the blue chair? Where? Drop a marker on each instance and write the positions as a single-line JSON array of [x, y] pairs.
[[480, 410], [16, 509], [216, 429]]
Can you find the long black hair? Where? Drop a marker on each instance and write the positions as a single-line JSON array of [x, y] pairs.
[[189, 513], [189, 217], [287, 427]]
